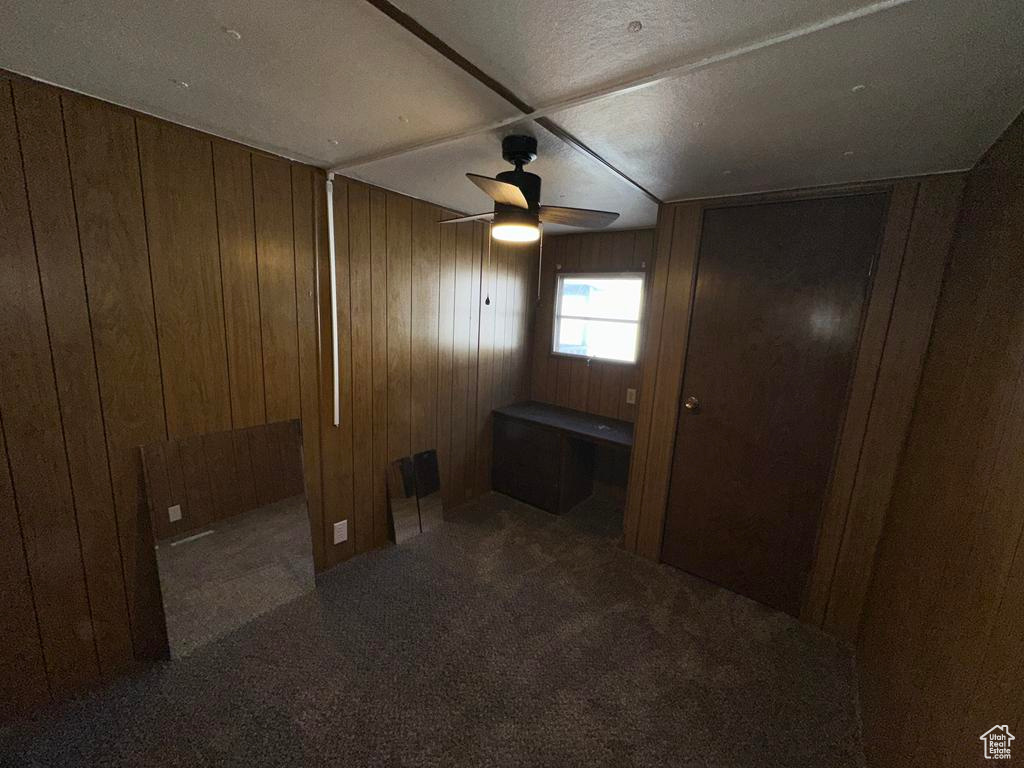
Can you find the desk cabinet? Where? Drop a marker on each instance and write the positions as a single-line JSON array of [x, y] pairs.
[[541, 466]]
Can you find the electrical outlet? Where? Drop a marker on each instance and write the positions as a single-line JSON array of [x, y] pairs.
[[631, 396], [174, 513], [341, 532]]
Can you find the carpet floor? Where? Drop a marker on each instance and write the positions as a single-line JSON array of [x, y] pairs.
[[507, 637]]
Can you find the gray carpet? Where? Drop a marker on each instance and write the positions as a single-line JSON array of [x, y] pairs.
[[507, 637]]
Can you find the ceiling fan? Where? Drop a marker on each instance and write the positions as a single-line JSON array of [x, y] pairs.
[[518, 214]]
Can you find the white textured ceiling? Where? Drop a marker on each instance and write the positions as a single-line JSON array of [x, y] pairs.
[[770, 107], [941, 81], [568, 177], [303, 73], [546, 50]]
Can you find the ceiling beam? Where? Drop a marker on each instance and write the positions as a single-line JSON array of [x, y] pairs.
[[409, 23], [405, 20], [555, 129], [658, 75]]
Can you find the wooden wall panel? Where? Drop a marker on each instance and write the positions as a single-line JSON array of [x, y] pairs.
[[275, 256], [460, 361], [664, 389], [591, 386], [112, 232], [32, 431], [240, 282], [399, 249], [59, 260], [362, 365], [446, 352], [308, 206], [485, 368], [336, 440], [118, 218], [918, 234], [473, 360], [23, 682], [426, 236], [941, 636], [379, 353], [181, 225], [166, 282]]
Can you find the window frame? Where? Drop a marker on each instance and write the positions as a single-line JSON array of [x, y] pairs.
[[641, 275]]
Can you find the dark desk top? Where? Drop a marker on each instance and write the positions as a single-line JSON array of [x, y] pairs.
[[585, 425]]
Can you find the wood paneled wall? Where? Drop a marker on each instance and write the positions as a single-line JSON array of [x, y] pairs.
[[943, 631], [159, 284], [423, 359], [893, 341], [594, 387], [148, 293]]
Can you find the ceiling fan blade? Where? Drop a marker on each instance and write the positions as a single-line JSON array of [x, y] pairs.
[[500, 191], [474, 217], [576, 217]]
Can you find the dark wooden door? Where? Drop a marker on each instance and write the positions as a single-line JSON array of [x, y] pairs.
[[776, 320]]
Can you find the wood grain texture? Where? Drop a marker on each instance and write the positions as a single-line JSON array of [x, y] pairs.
[[378, 321], [275, 256], [112, 231], [103, 266], [23, 683], [650, 344], [240, 282], [399, 248], [909, 309], [886, 276], [48, 184], [473, 359], [308, 204], [426, 240], [35, 446], [664, 391], [92, 327], [362, 364], [446, 353], [336, 440], [181, 226], [941, 637], [787, 283]]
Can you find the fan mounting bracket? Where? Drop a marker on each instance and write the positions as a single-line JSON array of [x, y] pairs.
[[519, 150]]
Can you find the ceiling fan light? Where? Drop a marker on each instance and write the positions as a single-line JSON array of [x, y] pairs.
[[516, 233]]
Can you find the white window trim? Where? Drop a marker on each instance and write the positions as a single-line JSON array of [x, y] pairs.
[[557, 317]]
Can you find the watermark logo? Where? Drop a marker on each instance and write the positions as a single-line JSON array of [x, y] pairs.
[[997, 742]]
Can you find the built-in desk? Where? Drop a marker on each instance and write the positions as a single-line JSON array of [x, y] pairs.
[[544, 454]]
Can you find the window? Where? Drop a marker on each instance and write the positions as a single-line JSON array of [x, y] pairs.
[[598, 316]]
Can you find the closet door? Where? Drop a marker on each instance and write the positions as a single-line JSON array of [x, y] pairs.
[[780, 293]]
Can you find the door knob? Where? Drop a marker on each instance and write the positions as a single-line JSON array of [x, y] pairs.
[[691, 403]]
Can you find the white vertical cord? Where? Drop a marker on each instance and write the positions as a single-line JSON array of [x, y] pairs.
[[334, 295]]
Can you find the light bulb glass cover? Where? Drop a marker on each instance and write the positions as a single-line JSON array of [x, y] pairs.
[[516, 233]]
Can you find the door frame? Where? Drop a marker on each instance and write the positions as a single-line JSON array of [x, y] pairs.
[[894, 335]]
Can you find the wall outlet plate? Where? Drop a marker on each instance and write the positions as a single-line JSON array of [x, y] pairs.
[[174, 513], [631, 396], [341, 532]]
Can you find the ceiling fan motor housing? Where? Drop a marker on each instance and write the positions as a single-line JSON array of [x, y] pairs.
[[520, 150], [528, 183]]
